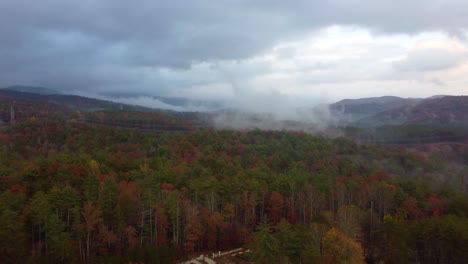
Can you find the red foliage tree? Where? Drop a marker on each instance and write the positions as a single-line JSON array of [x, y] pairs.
[[275, 207], [132, 236], [18, 188], [162, 224], [436, 205], [411, 208]]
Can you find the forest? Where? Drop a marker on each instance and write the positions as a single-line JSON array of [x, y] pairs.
[[74, 192]]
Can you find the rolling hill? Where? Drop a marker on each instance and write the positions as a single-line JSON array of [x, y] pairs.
[[447, 110], [352, 110]]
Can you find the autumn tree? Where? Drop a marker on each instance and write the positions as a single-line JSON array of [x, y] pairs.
[[348, 220], [193, 229], [92, 217], [275, 207], [338, 248]]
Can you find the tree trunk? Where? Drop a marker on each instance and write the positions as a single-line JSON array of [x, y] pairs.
[[32, 238], [68, 218], [81, 251], [177, 225], [141, 226], [151, 225], [156, 227], [87, 247]]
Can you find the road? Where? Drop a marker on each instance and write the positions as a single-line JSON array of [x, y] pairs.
[[211, 258]]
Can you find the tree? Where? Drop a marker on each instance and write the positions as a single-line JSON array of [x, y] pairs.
[[348, 220], [60, 244], [106, 236], [290, 241], [211, 232], [441, 239], [310, 254], [92, 217], [51, 229], [394, 241], [173, 202], [132, 236], [91, 182], [410, 209], [12, 237], [129, 207], [193, 228], [40, 213], [275, 207], [161, 226], [108, 195], [338, 248], [63, 200], [266, 247]]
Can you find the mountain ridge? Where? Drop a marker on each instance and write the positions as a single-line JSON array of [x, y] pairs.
[[446, 110], [370, 111]]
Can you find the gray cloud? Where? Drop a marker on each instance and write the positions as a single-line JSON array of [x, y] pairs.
[[118, 45], [429, 60]]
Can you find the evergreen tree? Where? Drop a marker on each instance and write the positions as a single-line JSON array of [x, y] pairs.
[[266, 247]]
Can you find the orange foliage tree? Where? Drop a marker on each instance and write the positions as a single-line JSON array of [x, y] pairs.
[[338, 248]]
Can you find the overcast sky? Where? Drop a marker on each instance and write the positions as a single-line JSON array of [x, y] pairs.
[[322, 50]]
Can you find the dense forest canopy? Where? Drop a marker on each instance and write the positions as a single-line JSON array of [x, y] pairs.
[[77, 192], [204, 132]]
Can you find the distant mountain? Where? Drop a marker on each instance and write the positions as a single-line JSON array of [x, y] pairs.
[[32, 89], [446, 110], [352, 110], [373, 111], [383, 100], [109, 102], [73, 102]]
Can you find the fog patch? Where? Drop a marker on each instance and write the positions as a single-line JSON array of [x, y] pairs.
[[271, 109], [147, 101]]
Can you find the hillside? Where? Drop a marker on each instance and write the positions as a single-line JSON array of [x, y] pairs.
[[70, 101], [135, 196], [52, 107], [351, 110], [26, 109], [447, 110], [31, 89]]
